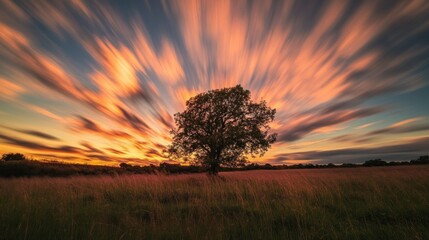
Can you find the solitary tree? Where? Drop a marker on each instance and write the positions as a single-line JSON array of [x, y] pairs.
[[220, 128]]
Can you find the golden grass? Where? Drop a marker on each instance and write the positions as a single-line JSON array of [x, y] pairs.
[[358, 203]]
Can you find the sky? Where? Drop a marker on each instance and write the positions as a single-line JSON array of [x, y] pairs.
[[98, 82]]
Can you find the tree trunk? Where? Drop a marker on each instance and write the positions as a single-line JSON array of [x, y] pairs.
[[214, 169]]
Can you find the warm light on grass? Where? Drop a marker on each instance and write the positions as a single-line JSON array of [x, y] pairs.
[[359, 203]]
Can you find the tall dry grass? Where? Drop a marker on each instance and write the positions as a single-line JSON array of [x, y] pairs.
[[358, 203]]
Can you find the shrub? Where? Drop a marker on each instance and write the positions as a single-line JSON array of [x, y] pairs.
[[13, 157], [421, 160], [375, 162]]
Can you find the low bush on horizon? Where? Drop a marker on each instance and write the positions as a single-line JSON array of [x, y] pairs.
[[31, 168], [331, 203], [18, 165], [13, 157]]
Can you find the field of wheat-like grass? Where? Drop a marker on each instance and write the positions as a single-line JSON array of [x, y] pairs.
[[358, 203]]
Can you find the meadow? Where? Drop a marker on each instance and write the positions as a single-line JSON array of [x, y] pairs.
[[340, 203]]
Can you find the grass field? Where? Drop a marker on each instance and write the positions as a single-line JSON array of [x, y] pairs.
[[357, 203]]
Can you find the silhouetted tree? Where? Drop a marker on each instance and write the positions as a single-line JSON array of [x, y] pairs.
[[349, 165], [220, 127], [268, 166], [13, 157], [375, 162], [421, 160], [124, 165]]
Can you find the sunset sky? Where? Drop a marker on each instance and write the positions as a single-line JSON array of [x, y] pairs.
[[98, 82]]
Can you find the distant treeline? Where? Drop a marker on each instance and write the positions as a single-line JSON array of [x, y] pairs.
[[17, 165], [29, 168]]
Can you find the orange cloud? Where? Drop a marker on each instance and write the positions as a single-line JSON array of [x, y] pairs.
[[405, 122], [315, 63], [9, 90]]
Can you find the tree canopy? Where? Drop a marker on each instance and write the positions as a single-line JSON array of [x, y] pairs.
[[221, 127], [13, 157]]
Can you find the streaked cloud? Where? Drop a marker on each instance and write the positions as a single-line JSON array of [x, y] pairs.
[[402, 127], [120, 73], [36, 146], [34, 133], [310, 124], [405, 151]]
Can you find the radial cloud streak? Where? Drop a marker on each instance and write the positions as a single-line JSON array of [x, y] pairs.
[[99, 82]]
